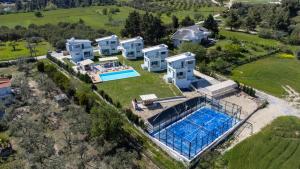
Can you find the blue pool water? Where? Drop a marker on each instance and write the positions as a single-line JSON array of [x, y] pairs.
[[118, 75], [196, 131]]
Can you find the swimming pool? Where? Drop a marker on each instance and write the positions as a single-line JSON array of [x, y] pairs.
[[118, 75]]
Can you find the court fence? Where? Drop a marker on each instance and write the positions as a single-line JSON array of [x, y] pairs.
[[190, 148]]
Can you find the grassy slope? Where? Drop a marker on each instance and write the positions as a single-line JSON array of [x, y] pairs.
[[277, 146], [249, 38], [270, 74], [156, 154], [125, 90], [91, 15], [7, 53]]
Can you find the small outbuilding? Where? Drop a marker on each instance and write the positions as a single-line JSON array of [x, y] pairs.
[[220, 89]]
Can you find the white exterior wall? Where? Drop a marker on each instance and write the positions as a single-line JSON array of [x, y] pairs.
[[108, 45], [80, 50], [154, 60], [132, 49], [180, 72]]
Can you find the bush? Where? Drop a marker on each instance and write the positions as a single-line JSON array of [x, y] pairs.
[[38, 14], [41, 66]]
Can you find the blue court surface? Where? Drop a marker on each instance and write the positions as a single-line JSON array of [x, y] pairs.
[[193, 133], [118, 75]]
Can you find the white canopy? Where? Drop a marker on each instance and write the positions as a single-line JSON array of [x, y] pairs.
[[148, 97], [86, 62], [108, 59]]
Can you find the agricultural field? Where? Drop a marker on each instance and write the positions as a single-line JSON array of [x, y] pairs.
[[270, 74], [125, 90], [257, 1], [7, 52], [276, 146], [92, 16], [249, 38]]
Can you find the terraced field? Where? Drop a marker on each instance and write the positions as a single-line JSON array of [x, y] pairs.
[[277, 146]]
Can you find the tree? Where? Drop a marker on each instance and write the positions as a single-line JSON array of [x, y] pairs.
[[211, 24], [187, 21], [104, 11], [250, 23], [107, 123], [197, 49], [152, 29], [233, 20], [175, 22], [132, 25], [41, 66], [13, 44], [38, 14]]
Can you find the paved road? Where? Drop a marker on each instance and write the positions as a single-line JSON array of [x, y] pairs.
[[279, 104]]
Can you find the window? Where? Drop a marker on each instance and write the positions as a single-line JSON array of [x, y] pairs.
[[113, 42], [162, 61], [190, 62], [154, 63], [182, 64], [163, 53]]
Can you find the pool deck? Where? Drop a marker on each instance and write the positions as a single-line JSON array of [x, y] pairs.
[[95, 75]]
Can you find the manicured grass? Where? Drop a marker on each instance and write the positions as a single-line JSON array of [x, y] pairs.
[[270, 74], [124, 90], [92, 16], [7, 53], [277, 146]]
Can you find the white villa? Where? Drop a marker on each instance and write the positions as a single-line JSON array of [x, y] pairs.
[[132, 48], [154, 58], [180, 69], [79, 49], [193, 34], [108, 45]]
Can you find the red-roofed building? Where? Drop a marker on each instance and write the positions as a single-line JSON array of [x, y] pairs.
[[5, 90]]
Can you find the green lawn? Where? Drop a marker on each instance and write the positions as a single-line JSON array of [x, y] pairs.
[[91, 15], [277, 146], [270, 74], [7, 53], [125, 90]]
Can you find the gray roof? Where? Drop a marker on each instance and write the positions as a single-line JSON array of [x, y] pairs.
[[188, 33]]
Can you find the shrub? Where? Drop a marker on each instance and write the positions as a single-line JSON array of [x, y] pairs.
[[38, 14], [41, 66]]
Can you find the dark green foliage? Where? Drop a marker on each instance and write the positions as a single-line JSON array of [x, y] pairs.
[[148, 26], [233, 20], [107, 123], [247, 89], [197, 49], [38, 14], [211, 24], [187, 21], [41, 66], [54, 34], [132, 25], [83, 77], [39, 5], [175, 22], [134, 118]]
